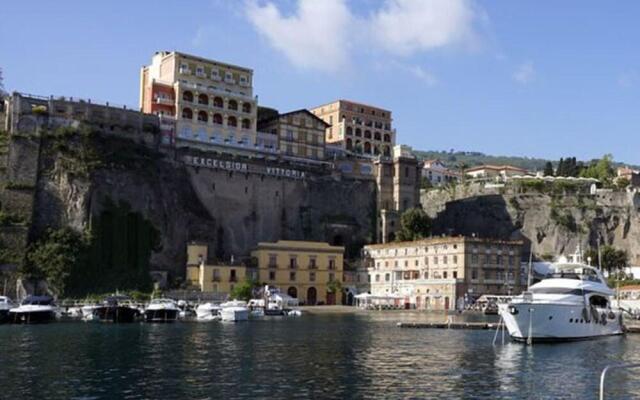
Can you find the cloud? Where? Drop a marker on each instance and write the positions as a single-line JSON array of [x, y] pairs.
[[525, 73], [315, 36], [404, 27], [422, 74]]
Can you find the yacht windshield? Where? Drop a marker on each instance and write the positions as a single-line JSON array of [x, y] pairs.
[[575, 272]]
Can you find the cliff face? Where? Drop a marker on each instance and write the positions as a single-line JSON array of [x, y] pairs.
[[230, 210], [550, 224]]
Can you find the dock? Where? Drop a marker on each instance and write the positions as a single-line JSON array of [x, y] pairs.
[[448, 325]]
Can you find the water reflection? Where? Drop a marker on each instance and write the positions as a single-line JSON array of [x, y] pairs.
[[332, 356]]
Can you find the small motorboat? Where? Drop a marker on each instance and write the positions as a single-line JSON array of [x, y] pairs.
[[34, 310], [5, 305], [208, 312], [116, 309], [161, 310], [234, 311]]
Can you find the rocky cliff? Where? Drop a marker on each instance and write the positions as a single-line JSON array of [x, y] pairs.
[[550, 223]]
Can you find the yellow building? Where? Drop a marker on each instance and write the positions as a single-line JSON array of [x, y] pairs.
[[213, 278], [357, 127], [304, 270], [211, 102]]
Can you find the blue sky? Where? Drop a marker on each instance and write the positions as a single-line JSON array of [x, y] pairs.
[[537, 78]]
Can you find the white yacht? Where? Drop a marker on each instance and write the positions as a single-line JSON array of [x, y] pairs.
[[5, 305], [234, 310], [208, 312], [572, 303], [34, 309], [161, 310]]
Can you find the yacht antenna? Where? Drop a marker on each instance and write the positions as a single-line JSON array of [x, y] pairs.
[[599, 254], [529, 273]]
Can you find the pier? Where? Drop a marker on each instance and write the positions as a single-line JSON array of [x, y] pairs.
[[448, 325]]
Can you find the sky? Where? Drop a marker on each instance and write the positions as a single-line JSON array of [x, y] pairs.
[[536, 78]]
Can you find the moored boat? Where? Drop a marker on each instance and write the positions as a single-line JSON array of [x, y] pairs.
[[116, 309], [208, 312], [161, 310], [5, 305], [34, 310], [573, 303], [234, 311]]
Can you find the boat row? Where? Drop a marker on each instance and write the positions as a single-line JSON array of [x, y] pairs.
[[121, 309]]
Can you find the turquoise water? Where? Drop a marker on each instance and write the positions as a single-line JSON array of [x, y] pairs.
[[321, 356]]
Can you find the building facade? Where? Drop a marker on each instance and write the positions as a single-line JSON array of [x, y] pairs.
[[214, 278], [309, 271], [209, 102], [501, 172], [437, 173], [444, 273], [300, 134], [359, 128]]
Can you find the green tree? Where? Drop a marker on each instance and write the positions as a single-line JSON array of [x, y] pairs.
[[548, 169], [622, 183], [601, 169], [243, 290], [414, 224], [425, 183], [334, 287], [560, 171], [56, 257], [612, 258]]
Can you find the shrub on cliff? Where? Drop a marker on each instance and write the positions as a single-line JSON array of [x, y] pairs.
[[414, 224]]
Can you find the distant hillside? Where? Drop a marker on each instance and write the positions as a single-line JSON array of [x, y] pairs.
[[473, 158]]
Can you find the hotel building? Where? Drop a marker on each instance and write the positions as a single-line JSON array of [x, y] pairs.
[[358, 128], [309, 271], [442, 273], [300, 134], [200, 101]]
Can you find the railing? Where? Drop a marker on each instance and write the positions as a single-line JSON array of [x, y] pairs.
[[608, 368], [274, 266]]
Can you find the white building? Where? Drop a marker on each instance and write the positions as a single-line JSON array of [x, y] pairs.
[[437, 173]]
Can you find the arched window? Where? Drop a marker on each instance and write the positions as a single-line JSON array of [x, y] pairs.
[[246, 107], [202, 116], [246, 123], [233, 105], [358, 132], [203, 99], [387, 138], [377, 136], [187, 113], [187, 96], [367, 147], [358, 147], [376, 150], [217, 119], [349, 144], [232, 121], [349, 130], [387, 151], [367, 134], [218, 102]]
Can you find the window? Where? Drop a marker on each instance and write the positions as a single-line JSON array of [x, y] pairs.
[[387, 277], [289, 134], [435, 260], [312, 276], [332, 277], [474, 274], [216, 275], [273, 261], [272, 275], [377, 278], [293, 262], [426, 261], [312, 263], [292, 276], [332, 263], [232, 276], [455, 274], [455, 259], [444, 275], [416, 262], [444, 259], [426, 274], [474, 259]]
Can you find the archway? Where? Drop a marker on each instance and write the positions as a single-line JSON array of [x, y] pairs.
[[293, 292], [331, 299], [349, 298], [312, 296]]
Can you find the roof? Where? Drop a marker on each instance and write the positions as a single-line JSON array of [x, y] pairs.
[[204, 60], [496, 168], [442, 240], [302, 110], [300, 245], [353, 102]]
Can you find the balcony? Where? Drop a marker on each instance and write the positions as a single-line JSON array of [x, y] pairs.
[[230, 80], [217, 279], [185, 71], [273, 266], [201, 74], [244, 84], [216, 77], [233, 279], [164, 100]]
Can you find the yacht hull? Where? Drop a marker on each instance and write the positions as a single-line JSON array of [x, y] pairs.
[[234, 314], [161, 315], [4, 316], [558, 322], [32, 317], [117, 314]]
